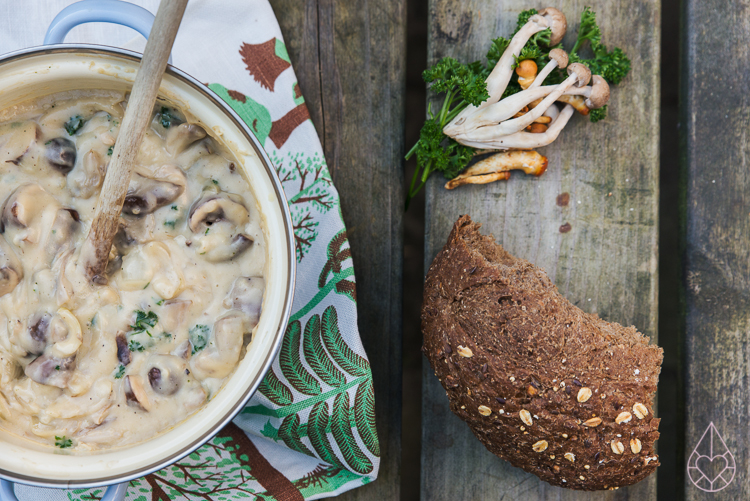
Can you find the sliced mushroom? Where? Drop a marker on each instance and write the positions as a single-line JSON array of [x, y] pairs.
[[166, 373], [146, 194], [135, 393], [11, 270], [182, 136], [183, 351], [221, 357], [123, 352], [173, 314], [23, 206], [65, 329], [61, 154], [247, 296], [220, 218], [66, 224], [18, 142], [51, 371], [31, 337], [217, 208], [84, 180]]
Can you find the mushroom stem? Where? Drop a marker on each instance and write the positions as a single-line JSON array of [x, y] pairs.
[[498, 79], [524, 140], [578, 75], [481, 179], [558, 59], [531, 162], [576, 102]]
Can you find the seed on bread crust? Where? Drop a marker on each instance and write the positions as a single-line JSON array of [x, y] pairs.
[[584, 394], [484, 410], [525, 417], [640, 410], [540, 446], [623, 417], [465, 352], [635, 445], [593, 422]]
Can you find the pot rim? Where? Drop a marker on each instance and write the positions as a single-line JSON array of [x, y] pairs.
[[105, 50]]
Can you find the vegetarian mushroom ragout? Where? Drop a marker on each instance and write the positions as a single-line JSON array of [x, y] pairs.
[[93, 366]]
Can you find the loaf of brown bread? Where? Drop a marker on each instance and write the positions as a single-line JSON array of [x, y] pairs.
[[551, 389]]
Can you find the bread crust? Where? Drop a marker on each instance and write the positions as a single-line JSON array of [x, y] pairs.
[[549, 388]]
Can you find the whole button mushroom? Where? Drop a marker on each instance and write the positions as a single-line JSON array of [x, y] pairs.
[[247, 296], [61, 154]]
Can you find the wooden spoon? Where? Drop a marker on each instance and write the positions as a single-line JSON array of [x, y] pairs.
[[96, 249]]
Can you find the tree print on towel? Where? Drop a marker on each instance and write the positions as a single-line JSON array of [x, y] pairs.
[[321, 367], [306, 182], [265, 61]]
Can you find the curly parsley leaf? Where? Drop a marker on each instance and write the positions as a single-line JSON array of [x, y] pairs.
[[199, 337], [598, 114], [63, 442], [144, 321], [612, 65], [74, 124], [135, 346], [120, 371], [450, 76]]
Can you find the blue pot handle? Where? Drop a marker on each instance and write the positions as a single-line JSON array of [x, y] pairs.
[[99, 11], [113, 493]]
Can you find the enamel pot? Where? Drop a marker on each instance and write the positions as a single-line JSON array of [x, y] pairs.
[[56, 67]]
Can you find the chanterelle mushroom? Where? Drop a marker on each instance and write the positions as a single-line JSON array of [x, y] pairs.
[[146, 194]]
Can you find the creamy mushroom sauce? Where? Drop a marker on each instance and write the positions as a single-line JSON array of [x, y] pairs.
[[87, 366]]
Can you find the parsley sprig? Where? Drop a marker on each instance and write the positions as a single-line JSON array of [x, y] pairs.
[[464, 85]]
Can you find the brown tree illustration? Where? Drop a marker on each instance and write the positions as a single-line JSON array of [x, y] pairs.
[[282, 128], [263, 63]]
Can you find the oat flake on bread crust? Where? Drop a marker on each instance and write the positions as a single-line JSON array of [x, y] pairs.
[[541, 369]]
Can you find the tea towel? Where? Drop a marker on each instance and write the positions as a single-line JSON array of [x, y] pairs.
[[309, 432]]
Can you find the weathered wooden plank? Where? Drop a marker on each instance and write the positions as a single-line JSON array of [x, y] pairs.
[[716, 121], [605, 264], [349, 57]]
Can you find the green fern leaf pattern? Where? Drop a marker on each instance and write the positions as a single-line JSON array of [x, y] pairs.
[[291, 365], [343, 355], [342, 432], [289, 433], [274, 390], [316, 431], [364, 416], [316, 356]]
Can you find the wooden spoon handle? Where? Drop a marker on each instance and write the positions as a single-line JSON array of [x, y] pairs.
[[96, 248]]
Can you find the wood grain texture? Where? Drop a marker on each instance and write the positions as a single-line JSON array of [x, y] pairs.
[[96, 248], [715, 123], [349, 58], [605, 263]]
